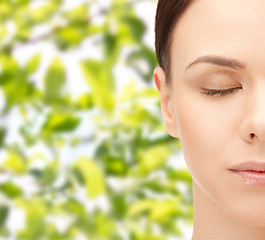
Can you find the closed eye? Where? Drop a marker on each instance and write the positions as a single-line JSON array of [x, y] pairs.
[[219, 92]]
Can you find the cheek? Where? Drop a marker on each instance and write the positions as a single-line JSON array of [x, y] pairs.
[[202, 129], [208, 131], [210, 139]]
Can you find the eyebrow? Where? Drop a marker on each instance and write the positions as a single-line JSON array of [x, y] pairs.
[[219, 61]]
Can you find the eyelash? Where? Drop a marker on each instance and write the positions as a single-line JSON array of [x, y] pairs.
[[220, 93]]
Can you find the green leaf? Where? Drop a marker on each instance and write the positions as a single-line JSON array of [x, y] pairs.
[[23, 24], [3, 32], [153, 158], [163, 210], [130, 92], [92, 29], [10, 190], [92, 176], [119, 205], [16, 87], [36, 211], [3, 214], [111, 46], [115, 166], [5, 10], [49, 174], [144, 62], [21, 2], [33, 64], [44, 12], [58, 122], [70, 36], [136, 115], [157, 210], [140, 208], [135, 26], [84, 102], [9, 68], [79, 13], [15, 163], [2, 136], [54, 81], [180, 175], [18, 91], [4, 232], [101, 81], [105, 226]]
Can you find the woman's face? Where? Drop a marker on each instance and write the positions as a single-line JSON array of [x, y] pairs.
[[217, 45]]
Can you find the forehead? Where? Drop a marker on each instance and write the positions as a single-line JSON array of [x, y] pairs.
[[231, 28]]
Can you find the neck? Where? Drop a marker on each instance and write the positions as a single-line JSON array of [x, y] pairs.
[[211, 222]]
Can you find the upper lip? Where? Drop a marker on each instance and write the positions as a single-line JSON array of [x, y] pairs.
[[251, 166]]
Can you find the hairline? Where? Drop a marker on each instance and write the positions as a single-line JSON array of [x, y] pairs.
[[166, 61]]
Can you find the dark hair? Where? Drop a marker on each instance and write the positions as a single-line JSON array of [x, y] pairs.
[[167, 14]]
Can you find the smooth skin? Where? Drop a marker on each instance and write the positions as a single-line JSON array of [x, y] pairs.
[[219, 129]]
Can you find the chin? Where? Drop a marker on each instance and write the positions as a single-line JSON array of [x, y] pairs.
[[249, 216], [252, 222]]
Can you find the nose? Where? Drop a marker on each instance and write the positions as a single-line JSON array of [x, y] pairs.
[[253, 125]]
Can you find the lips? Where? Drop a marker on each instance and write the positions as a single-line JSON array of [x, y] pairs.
[[251, 173], [249, 166]]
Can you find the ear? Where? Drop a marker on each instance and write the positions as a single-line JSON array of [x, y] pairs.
[[167, 107]]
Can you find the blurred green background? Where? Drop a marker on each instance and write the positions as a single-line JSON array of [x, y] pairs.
[[83, 149]]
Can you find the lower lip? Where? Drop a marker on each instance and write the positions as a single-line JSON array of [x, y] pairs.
[[251, 177]]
